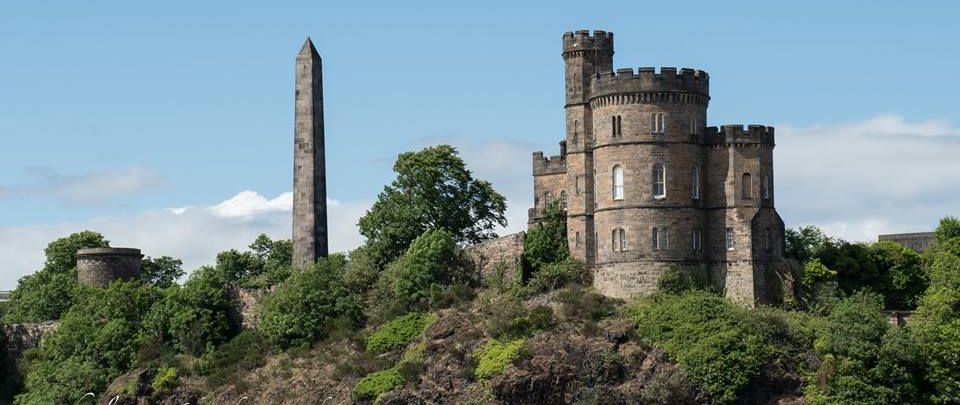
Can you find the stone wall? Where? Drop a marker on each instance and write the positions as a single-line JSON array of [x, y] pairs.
[[919, 241], [488, 255], [19, 338]]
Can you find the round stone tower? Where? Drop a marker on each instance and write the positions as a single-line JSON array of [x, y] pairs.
[[98, 267], [649, 161]]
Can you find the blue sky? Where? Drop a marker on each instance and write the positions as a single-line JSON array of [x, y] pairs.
[[112, 112]]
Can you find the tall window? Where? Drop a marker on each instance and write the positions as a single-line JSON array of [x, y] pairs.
[[659, 181], [695, 187], [658, 124], [576, 184], [697, 240], [576, 239], [576, 135], [617, 182], [623, 240], [616, 126], [614, 244], [766, 186], [693, 126], [747, 186], [563, 200], [546, 200], [731, 242], [660, 238]]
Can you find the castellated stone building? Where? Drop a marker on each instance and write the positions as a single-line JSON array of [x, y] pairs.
[[647, 185]]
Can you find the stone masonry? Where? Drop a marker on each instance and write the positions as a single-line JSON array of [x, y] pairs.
[[918, 241], [504, 251], [309, 167], [638, 160], [98, 267]]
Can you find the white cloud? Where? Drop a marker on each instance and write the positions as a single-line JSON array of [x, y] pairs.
[[858, 179], [88, 188], [193, 234]]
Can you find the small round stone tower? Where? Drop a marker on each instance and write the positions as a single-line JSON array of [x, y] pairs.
[[98, 267]]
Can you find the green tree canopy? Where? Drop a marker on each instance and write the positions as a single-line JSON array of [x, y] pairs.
[[48, 293], [949, 228], [433, 190], [162, 271], [546, 242]]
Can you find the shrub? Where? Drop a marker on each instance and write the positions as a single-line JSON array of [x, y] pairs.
[[510, 319], [374, 384], [399, 332], [305, 307], [245, 352], [495, 356], [555, 275], [165, 380], [949, 228], [676, 281], [721, 347], [546, 243]]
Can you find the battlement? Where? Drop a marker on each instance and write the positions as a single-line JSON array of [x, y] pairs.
[[548, 165], [583, 41], [648, 79], [726, 134]]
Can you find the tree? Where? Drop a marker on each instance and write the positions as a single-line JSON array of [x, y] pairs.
[[93, 344], [805, 243], [162, 271], [902, 278], [949, 228], [433, 190], [433, 260], [307, 306], [936, 323], [546, 242], [48, 293]]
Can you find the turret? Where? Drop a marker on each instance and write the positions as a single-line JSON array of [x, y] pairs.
[[585, 55]]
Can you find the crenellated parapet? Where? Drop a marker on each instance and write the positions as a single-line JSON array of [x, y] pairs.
[[648, 80], [548, 165], [576, 43], [737, 134]]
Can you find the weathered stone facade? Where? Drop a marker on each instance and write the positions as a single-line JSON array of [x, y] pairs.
[[16, 339], [98, 267], [918, 241], [503, 251], [309, 167], [638, 160]]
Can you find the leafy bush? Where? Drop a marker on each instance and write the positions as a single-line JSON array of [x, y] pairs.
[[578, 303], [555, 275], [676, 281], [374, 384], [721, 346], [165, 380], [814, 271], [949, 228], [305, 307], [162, 271], [194, 317], [244, 352], [936, 323], [864, 359], [93, 344], [495, 356], [546, 243], [49, 293], [509, 319], [903, 279], [399, 332]]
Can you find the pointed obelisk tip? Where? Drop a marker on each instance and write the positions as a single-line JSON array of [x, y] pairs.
[[308, 48]]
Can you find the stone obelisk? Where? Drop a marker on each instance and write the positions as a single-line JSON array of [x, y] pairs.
[[309, 171]]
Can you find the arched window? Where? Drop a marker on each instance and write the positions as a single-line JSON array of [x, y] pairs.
[[563, 200], [623, 240], [658, 126], [617, 182], [659, 181], [695, 187], [747, 187], [614, 244]]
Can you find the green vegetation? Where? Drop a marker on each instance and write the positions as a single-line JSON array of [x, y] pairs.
[[374, 384], [49, 293], [433, 190], [307, 306], [165, 380], [244, 352], [546, 243], [495, 356], [162, 271], [399, 332]]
